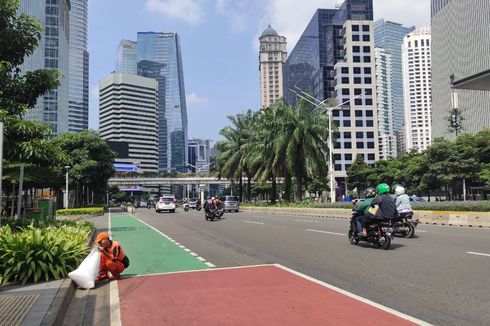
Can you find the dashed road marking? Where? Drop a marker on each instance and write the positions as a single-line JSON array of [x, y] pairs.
[[478, 253], [252, 222], [326, 232]]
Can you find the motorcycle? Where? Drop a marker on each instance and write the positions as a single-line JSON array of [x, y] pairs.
[[220, 211], [211, 214], [186, 207], [379, 233], [405, 225]]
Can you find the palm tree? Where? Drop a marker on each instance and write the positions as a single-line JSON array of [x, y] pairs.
[[302, 143], [231, 161]]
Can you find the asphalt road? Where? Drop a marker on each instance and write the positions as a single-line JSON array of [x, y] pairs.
[[441, 276]]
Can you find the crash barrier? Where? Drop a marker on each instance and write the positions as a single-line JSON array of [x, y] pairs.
[[470, 219]]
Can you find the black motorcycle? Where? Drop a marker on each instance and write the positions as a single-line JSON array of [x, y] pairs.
[[379, 233], [405, 225], [211, 214]]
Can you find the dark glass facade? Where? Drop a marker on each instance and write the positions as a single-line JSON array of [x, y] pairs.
[[310, 67], [159, 57]]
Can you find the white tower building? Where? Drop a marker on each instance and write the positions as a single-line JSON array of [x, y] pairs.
[[416, 57], [128, 113], [272, 56]]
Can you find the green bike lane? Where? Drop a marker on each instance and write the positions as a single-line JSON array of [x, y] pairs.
[[149, 251]]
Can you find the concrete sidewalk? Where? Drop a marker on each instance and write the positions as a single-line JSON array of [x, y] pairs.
[[44, 303]]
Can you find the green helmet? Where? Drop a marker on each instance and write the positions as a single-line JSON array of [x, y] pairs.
[[382, 188]]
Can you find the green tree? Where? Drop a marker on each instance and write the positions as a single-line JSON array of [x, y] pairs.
[[91, 164], [358, 174]]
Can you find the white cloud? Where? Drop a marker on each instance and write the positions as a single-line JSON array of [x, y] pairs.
[[196, 100], [190, 11], [236, 13], [290, 17]]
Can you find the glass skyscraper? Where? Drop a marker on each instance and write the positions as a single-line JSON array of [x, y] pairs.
[[310, 66], [52, 52], [79, 60], [460, 48], [160, 57], [389, 37], [127, 57]]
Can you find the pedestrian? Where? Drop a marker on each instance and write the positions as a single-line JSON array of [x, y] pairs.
[[113, 260]]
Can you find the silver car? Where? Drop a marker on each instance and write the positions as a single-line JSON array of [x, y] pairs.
[[230, 203]]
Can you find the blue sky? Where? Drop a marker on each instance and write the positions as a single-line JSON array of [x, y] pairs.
[[219, 41]]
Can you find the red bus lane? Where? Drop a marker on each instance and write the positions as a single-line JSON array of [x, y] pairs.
[[255, 295]]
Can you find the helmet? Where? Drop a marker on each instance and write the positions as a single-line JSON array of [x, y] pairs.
[[370, 193], [101, 236], [212, 198], [382, 188], [399, 190]]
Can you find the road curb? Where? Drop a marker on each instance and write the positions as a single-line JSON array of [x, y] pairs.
[[461, 219]]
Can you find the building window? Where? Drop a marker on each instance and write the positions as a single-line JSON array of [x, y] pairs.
[[345, 80], [366, 49], [345, 91], [346, 113], [367, 70], [359, 123], [367, 59], [358, 113], [357, 70], [355, 38], [359, 144], [357, 91], [358, 101], [370, 144], [355, 28], [367, 80], [371, 157], [337, 157], [338, 167], [348, 145], [345, 70], [335, 113], [369, 123], [357, 80], [346, 123], [337, 145], [365, 28], [348, 157], [366, 38], [369, 101], [347, 135], [356, 58], [369, 113], [359, 134], [368, 91], [356, 49]]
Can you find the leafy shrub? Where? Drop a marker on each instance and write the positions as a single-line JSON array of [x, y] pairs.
[[80, 211], [30, 253]]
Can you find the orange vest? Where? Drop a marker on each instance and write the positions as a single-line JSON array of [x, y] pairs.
[[116, 251]]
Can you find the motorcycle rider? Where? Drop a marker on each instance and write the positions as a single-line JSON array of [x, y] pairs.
[[208, 204], [402, 202], [386, 208], [363, 208]]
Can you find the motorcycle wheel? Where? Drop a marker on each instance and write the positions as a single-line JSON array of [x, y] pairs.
[[411, 231], [211, 218], [352, 238], [386, 243]]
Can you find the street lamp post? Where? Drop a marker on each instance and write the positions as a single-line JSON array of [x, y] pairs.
[[67, 167], [329, 110]]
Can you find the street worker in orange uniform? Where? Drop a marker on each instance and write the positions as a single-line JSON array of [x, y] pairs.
[[113, 261]]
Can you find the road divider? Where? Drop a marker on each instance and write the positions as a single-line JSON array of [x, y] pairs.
[[469, 219]]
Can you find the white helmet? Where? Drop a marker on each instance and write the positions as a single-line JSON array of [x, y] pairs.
[[399, 190]]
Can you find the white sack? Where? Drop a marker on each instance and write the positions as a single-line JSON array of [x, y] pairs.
[[84, 276]]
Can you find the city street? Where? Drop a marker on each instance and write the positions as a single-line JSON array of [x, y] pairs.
[[441, 276]]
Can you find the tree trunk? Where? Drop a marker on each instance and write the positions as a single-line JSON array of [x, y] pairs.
[[299, 187], [249, 187], [240, 188], [274, 190], [287, 186]]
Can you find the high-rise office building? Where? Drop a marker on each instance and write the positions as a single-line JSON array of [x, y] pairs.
[[356, 81], [272, 56], [78, 67], [460, 48], [389, 36], [199, 155], [128, 114], [310, 66], [384, 80], [416, 58], [160, 57], [127, 57], [52, 52]]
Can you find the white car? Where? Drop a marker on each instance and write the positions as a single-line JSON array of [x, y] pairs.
[[165, 204]]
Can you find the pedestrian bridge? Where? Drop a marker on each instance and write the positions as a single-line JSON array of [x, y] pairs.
[[158, 181]]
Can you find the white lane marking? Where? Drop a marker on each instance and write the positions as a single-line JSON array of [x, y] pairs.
[[356, 297], [306, 221], [172, 240], [115, 309], [326, 232], [423, 231], [252, 222], [478, 253], [210, 264]]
